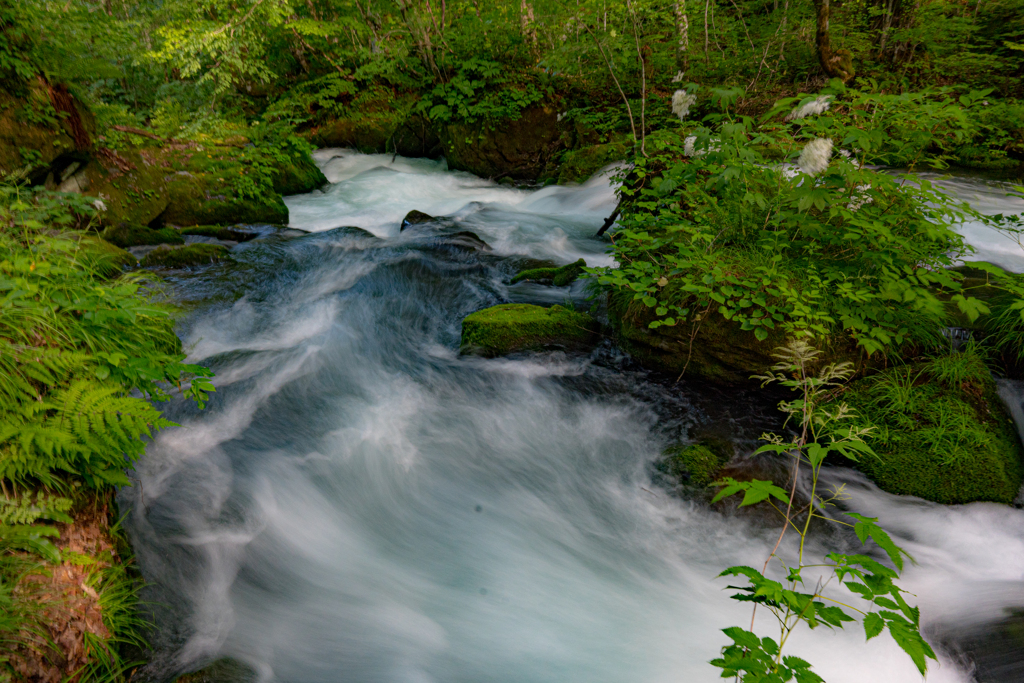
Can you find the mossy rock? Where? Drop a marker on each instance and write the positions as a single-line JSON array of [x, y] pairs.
[[36, 139], [298, 176], [209, 198], [950, 442], [506, 328], [712, 348], [367, 131], [696, 464], [579, 165], [559, 277], [105, 258], [519, 149], [132, 188], [220, 232], [127, 235], [185, 257]]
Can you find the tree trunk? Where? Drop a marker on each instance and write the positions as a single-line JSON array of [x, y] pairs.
[[683, 26], [835, 63]]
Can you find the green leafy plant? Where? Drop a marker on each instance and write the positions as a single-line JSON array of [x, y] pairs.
[[761, 224], [831, 591]]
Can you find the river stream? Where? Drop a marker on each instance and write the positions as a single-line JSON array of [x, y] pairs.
[[359, 503]]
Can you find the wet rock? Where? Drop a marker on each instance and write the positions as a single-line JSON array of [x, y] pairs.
[[467, 240], [693, 465], [220, 232], [519, 149], [126, 235], [559, 277], [416, 218], [185, 257], [506, 328], [221, 671]]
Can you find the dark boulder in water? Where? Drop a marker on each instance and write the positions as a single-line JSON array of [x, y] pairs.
[[415, 217], [469, 240]]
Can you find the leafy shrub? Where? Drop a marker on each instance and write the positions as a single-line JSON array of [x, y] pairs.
[[713, 223]]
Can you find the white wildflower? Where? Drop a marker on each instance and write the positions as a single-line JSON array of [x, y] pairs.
[[815, 107], [678, 77], [860, 197], [560, 117], [846, 153], [681, 103], [815, 156], [690, 150], [100, 206]]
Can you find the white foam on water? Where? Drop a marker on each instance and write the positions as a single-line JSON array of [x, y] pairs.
[[360, 503]]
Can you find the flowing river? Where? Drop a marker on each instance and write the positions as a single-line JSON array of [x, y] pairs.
[[359, 503]]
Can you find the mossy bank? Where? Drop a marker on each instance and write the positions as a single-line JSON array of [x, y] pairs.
[[940, 432]]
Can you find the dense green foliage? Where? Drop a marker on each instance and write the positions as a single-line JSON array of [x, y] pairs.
[[82, 358], [737, 220], [870, 593]]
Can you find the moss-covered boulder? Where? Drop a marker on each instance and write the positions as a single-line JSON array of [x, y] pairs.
[[220, 232], [369, 131], [185, 257], [126, 235], [130, 185], [506, 328], [694, 465], [559, 277], [298, 175], [44, 130], [940, 431], [519, 149], [211, 198], [580, 164]]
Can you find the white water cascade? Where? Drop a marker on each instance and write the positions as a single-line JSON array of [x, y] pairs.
[[360, 503]]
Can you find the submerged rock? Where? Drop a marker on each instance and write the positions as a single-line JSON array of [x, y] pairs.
[[694, 465], [126, 235], [415, 217], [559, 277], [467, 240], [942, 436], [506, 328], [184, 257]]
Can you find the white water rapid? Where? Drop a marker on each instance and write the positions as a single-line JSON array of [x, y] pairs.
[[361, 504]]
